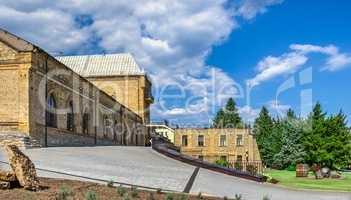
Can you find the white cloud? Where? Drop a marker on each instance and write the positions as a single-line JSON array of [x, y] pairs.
[[170, 39], [271, 66], [250, 8], [277, 107], [248, 114]]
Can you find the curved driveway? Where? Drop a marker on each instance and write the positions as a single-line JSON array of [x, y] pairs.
[[143, 166]]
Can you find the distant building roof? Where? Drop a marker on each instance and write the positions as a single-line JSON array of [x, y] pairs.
[[102, 65]]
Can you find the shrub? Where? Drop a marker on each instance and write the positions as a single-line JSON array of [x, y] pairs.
[[169, 197], [222, 163], [64, 193], [238, 166], [110, 183], [121, 191], [291, 168], [134, 192], [90, 195], [266, 198], [252, 169], [183, 197], [238, 197]]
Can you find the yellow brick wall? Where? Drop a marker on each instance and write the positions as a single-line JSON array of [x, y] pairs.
[[212, 151], [131, 91], [23, 103]]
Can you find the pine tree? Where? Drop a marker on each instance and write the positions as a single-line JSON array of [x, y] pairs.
[[313, 137], [262, 130], [228, 117]]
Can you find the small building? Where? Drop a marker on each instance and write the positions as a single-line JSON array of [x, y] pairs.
[[212, 144], [163, 130]]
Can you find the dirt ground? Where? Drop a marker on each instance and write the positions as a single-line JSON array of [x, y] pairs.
[[55, 189]]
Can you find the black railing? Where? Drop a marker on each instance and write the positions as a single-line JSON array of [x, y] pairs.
[[251, 167]]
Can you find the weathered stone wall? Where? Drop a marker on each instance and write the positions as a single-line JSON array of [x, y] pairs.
[[212, 150], [23, 102]]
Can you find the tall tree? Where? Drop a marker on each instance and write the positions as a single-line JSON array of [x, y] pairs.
[[263, 128], [228, 117], [313, 136]]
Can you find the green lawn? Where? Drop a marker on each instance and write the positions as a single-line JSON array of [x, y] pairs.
[[288, 178]]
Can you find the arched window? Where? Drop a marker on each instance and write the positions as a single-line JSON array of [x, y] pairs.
[[86, 120], [70, 117], [51, 112]]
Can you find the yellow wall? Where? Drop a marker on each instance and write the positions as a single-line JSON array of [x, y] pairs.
[[133, 91], [212, 151]]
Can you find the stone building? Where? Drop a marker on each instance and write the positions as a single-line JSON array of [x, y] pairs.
[[43, 102], [214, 144], [119, 76]]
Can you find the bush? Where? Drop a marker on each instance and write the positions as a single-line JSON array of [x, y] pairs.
[[252, 169], [238, 197], [291, 168], [169, 197], [110, 183], [121, 191], [90, 195], [238, 165], [134, 192], [222, 163], [64, 193]]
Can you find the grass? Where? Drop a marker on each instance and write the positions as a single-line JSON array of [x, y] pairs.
[[288, 178]]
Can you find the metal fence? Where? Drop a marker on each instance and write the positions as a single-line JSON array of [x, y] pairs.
[[251, 167]]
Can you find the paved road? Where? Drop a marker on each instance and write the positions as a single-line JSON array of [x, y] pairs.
[[143, 166]]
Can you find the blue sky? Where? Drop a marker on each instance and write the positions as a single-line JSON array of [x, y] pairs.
[[325, 23], [201, 52]]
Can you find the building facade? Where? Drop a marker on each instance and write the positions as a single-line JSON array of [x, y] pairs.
[[119, 76], [231, 145], [163, 130], [45, 103]]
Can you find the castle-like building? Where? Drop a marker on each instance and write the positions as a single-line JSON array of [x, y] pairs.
[[73, 100]]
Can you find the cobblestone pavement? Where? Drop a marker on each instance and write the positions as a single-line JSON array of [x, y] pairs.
[[143, 166]]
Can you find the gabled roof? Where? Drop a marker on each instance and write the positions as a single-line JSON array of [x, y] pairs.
[[15, 42], [102, 65]]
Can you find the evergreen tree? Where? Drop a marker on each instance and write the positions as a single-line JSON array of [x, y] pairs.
[[229, 117], [313, 136], [262, 130]]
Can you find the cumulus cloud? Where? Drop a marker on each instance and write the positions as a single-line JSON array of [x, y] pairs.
[[170, 39], [273, 66]]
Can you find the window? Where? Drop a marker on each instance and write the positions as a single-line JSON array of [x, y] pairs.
[[85, 124], [239, 158], [200, 140], [51, 112], [201, 157], [70, 117], [184, 140], [239, 140], [223, 158], [222, 140]]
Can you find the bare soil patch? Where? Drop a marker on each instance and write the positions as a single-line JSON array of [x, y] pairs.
[[51, 189]]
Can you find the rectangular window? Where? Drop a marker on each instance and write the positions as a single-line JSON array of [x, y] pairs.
[[239, 158], [200, 140], [201, 157], [222, 140], [239, 140], [184, 140], [223, 158]]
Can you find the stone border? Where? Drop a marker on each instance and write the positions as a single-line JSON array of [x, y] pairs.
[[168, 149]]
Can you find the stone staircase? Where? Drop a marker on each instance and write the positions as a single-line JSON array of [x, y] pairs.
[[18, 139]]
